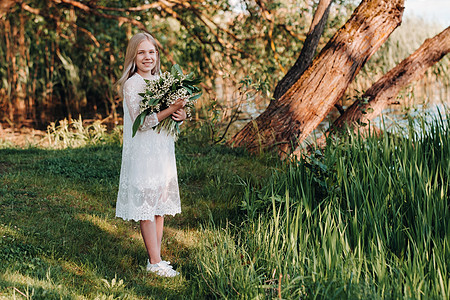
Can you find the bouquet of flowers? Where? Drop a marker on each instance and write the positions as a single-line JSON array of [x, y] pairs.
[[160, 93]]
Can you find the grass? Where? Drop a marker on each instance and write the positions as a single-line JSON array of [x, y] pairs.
[[59, 237], [364, 219], [360, 219]]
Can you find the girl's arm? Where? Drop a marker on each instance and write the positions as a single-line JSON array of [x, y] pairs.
[[175, 107], [132, 100]]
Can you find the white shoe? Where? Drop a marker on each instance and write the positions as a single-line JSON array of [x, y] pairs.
[[162, 261], [162, 268]]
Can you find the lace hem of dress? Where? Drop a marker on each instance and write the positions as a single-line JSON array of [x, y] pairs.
[[137, 208], [139, 218]]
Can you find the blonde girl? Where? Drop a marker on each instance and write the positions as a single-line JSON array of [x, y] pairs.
[[148, 187]]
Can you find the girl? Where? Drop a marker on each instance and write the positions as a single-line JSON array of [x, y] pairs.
[[148, 187]]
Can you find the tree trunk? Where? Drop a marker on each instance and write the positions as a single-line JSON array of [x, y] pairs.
[[288, 121], [385, 90], [10, 70], [308, 50], [20, 107]]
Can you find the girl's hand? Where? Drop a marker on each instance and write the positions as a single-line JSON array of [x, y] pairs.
[[180, 103], [174, 111], [179, 115]]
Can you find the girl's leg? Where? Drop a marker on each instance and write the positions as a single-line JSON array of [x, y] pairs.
[[159, 220], [150, 236]]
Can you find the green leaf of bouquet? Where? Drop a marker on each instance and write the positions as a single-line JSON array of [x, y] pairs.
[[195, 97], [188, 88], [193, 89], [138, 122], [153, 101], [173, 71], [189, 76], [178, 69], [176, 72], [196, 89], [193, 81]]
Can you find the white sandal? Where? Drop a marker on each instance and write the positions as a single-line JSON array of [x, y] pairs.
[[163, 268]]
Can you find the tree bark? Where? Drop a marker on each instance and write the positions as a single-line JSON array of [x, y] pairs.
[[20, 107], [308, 49], [288, 121], [6, 6], [386, 89]]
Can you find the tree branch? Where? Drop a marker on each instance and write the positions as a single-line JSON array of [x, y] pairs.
[[308, 50], [384, 92], [6, 6], [121, 20], [289, 120], [39, 12]]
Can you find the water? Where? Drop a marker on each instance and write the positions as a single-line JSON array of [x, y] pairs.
[[427, 102]]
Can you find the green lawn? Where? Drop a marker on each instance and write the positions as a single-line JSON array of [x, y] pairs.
[[59, 237], [362, 219]]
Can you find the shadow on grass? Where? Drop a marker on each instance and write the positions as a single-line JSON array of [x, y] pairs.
[[59, 236], [79, 247]]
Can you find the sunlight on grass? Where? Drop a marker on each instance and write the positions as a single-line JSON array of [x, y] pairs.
[[6, 230], [188, 238], [26, 285], [100, 222], [72, 267]]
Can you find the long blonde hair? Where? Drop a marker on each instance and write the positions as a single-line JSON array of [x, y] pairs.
[[129, 67]]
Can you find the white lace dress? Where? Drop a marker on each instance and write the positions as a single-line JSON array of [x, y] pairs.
[[148, 184]]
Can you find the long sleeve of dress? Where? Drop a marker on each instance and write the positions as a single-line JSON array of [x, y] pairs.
[[132, 100]]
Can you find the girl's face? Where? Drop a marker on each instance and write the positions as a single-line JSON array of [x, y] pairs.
[[146, 58]]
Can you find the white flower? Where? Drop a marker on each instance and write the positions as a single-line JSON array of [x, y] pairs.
[[159, 94]]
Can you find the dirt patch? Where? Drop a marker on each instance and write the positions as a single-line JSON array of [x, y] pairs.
[[22, 137]]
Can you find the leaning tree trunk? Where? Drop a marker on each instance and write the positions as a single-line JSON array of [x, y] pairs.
[[288, 121], [385, 90], [308, 50]]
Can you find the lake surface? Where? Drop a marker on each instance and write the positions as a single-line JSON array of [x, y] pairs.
[[427, 101]]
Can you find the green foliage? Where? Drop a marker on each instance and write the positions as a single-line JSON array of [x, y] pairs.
[[365, 219], [212, 38]]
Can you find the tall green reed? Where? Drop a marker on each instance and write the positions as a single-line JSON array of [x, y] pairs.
[[365, 218]]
